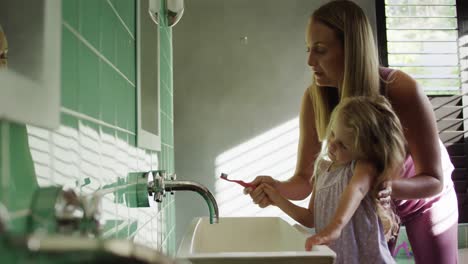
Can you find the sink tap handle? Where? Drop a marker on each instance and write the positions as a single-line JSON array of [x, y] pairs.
[[173, 178], [158, 185]]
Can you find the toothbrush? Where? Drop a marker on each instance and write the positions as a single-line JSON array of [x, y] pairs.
[[224, 176]]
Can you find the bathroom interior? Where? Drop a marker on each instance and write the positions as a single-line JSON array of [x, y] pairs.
[[117, 118]]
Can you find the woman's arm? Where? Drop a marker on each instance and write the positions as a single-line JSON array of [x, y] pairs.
[[419, 124], [358, 187]]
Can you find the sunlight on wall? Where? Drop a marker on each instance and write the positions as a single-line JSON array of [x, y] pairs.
[[272, 153], [88, 159]]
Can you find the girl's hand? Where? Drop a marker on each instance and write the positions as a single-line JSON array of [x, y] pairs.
[[272, 194], [384, 195], [325, 237], [258, 195]]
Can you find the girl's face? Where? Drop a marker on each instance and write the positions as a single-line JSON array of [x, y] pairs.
[[340, 144], [325, 54]]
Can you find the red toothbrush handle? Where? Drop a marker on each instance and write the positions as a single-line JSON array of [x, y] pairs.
[[243, 183], [246, 185]]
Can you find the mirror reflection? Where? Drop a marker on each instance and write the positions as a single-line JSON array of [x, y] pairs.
[[3, 49]]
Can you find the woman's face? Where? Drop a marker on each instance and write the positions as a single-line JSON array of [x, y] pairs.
[[325, 54]]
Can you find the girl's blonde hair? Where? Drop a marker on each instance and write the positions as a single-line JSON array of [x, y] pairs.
[[379, 139], [361, 62]]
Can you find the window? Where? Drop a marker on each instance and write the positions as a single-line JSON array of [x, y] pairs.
[[421, 38]]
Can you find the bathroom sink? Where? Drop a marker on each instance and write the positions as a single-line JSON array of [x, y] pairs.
[[254, 240]]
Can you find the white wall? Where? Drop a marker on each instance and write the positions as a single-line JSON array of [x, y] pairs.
[[227, 90]]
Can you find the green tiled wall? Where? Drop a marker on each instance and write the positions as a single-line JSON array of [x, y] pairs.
[[95, 146]]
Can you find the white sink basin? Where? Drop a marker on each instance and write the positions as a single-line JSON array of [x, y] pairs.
[[252, 240]]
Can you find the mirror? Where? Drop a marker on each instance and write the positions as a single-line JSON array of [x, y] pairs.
[[148, 121], [30, 72], [173, 9]]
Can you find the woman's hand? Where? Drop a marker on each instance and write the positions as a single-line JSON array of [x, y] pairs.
[[325, 237], [384, 195], [258, 195]]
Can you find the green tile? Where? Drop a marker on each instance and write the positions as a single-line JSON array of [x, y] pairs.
[[126, 10], [89, 11], [69, 121], [88, 94], [3, 194], [171, 160], [18, 225], [108, 131], [165, 101], [121, 46], [131, 108], [120, 96], [122, 135], [132, 140], [109, 22], [69, 74], [70, 12], [166, 130], [91, 125], [131, 49], [122, 230], [107, 87], [171, 133], [162, 100], [163, 158], [110, 227], [162, 132], [125, 54], [133, 228], [22, 178]]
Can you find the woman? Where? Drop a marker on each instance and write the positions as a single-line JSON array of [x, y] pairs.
[[344, 62]]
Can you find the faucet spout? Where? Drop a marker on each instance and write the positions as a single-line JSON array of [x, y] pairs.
[[171, 186], [159, 186]]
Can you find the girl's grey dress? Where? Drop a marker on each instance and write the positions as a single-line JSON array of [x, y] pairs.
[[362, 240]]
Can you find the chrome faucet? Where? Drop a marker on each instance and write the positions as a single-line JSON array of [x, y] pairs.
[[159, 186]]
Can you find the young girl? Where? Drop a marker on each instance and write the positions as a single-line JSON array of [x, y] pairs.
[[365, 146]]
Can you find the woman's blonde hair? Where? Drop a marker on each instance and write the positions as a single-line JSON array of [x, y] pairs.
[[379, 139], [361, 62]]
